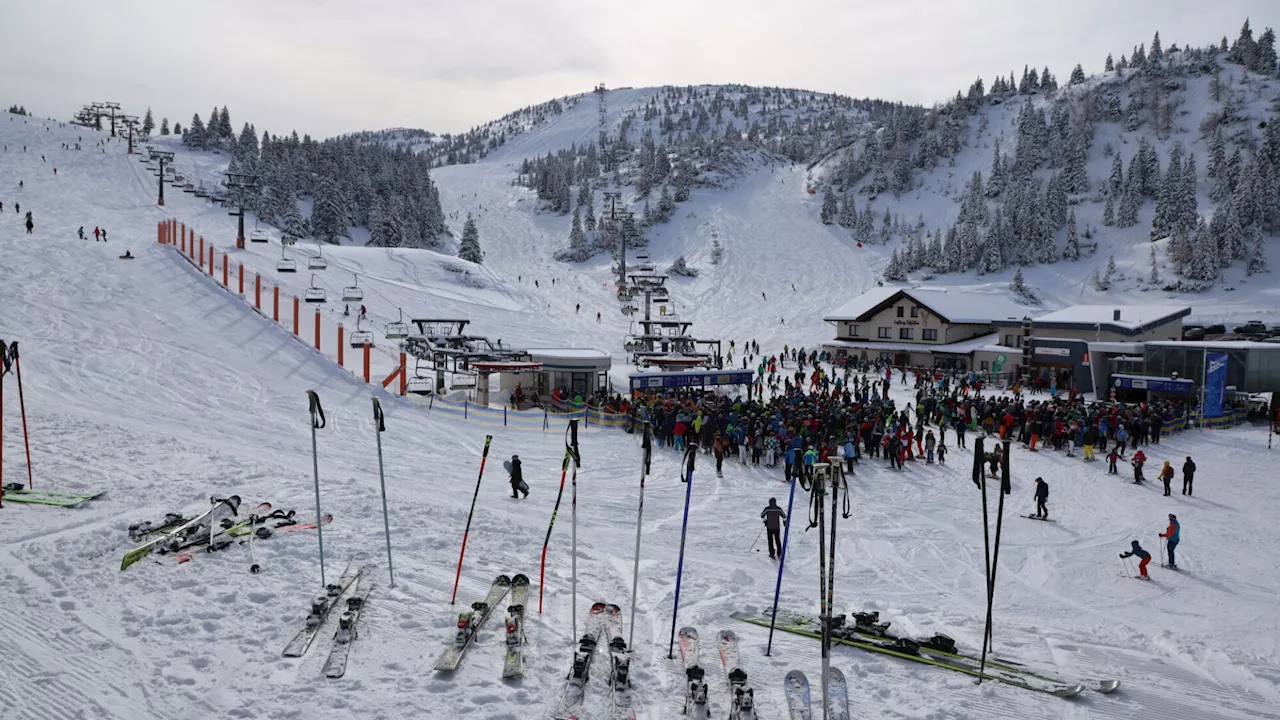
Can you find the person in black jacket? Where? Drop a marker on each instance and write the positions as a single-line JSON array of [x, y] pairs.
[[517, 478], [773, 517], [1042, 498], [1188, 475]]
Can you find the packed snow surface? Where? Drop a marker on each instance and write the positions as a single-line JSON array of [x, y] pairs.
[[145, 379]]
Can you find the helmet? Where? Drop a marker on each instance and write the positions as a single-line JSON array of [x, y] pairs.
[[1173, 517]]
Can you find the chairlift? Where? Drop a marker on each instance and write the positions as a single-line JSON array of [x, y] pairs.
[[286, 265], [353, 293], [314, 294], [629, 309], [361, 338], [317, 262], [257, 235], [419, 384], [397, 330]]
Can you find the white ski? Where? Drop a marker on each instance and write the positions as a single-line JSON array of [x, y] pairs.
[[346, 634]]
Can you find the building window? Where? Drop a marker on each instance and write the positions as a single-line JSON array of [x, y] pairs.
[[883, 333], [906, 333], [915, 311], [928, 334], [984, 366], [900, 309], [853, 331], [1008, 341]]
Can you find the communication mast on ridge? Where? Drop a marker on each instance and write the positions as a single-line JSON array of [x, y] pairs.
[[242, 184]]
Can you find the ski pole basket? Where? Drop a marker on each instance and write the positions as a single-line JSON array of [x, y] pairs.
[[286, 264], [317, 262], [353, 293], [397, 330], [314, 294], [361, 338]]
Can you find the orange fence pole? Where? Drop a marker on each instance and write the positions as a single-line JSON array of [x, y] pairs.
[[201, 252], [340, 346], [257, 291], [317, 329], [240, 269], [182, 244], [398, 372], [211, 263], [275, 304], [366, 363], [404, 376], [295, 314], [226, 269]]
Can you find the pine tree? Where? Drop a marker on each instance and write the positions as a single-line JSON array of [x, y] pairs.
[[895, 271], [1257, 249], [1077, 75], [469, 247], [1217, 153], [328, 213], [828, 214], [148, 123], [590, 221], [1096, 281], [1157, 53], [1072, 250], [1155, 267], [1129, 204], [1179, 252], [1116, 181], [997, 178], [1111, 65], [195, 133], [164, 126], [886, 229], [1109, 212], [1204, 263], [177, 129], [848, 215], [1110, 272], [1017, 285], [584, 193]]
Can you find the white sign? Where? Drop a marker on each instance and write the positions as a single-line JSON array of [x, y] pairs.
[[1059, 352]]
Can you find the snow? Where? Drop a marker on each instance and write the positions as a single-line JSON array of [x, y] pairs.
[[1132, 317], [956, 305], [144, 378]]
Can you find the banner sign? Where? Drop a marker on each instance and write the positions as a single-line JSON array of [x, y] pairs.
[[1215, 383]]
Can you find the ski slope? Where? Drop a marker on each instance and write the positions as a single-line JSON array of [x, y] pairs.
[[143, 378]]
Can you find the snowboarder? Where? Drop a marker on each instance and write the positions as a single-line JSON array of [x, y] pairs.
[[518, 485], [1171, 538], [773, 517], [1042, 497], [1143, 555], [127, 255], [1166, 476], [1188, 475]]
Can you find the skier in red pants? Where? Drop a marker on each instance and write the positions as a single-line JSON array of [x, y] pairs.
[[1143, 555]]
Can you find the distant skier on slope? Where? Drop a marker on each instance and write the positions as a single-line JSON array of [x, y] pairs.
[[1171, 538], [773, 517], [1143, 556]]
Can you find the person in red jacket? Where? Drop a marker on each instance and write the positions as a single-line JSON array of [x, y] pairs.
[[1139, 458]]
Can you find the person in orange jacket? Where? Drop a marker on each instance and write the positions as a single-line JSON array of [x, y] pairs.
[[1171, 538]]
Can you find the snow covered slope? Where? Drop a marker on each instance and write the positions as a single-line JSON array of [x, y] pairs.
[[143, 379]]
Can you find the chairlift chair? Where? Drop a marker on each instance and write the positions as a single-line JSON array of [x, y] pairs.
[[353, 293], [361, 338], [317, 262], [314, 294], [398, 330], [286, 265], [258, 235], [419, 384]]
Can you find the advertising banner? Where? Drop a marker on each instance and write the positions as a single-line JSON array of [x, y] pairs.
[[1215, 383]]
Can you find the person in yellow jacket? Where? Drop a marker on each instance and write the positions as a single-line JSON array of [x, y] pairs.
[[1166, 476]]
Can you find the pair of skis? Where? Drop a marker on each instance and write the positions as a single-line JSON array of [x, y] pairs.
[[470, 621], [204, 522], [19, 493], [604, 622], [696, 701], [321, 607], [796, 688]]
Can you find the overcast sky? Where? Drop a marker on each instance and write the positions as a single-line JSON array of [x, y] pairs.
[[326, 67]]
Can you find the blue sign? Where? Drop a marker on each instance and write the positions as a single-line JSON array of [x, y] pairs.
[[1138, 382], [642, 381], [1215, 383]]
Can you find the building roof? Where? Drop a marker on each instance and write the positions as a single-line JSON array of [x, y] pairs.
[[954, 305], [1134, 319], [1217, 344], [965, 347], [569, 353]]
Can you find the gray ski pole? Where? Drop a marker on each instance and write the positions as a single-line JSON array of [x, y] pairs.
[[379, 428], [646, 449], [317, 422], [757, 540]]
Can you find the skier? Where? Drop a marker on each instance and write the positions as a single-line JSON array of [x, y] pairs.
[[1139, 459], [30, 224], [346, 310], [80, 232], [1112, 457], [1188, 475], [518, 484], [1143, 555], [577, 308], [104, 234], [97, 234], [1171, 538], [773, 517], [364, 313], [1042, 497], [942, 454], [597, 317], [1166, 476]]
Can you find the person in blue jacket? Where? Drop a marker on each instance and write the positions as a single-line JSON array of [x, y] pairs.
[[1143, 556]]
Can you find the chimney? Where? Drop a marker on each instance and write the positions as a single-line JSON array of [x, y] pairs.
[[1116, 316]]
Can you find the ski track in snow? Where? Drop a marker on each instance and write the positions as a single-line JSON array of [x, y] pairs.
[[144, 378]]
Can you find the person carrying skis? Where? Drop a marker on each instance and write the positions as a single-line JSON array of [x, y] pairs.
[[518, 485], [1144, 557], [1188, 475], [1042, 498], [1166, 476], [773, 517], [1171, 539]]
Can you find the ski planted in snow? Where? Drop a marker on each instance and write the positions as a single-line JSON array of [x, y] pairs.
[[796, 687], [619, 666], [178, 535], [742, 704], [346, 634], [569, 704], [321, 605], [695, 694], [513, 665], [469, 622], [837, 695]]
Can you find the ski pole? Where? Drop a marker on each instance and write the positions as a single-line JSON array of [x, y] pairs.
[[573, 530], [317, 422], [782, 561], [22, 406], [690, 455], [4, 370], [379, 428], [1161, 546], [542, 570], [757, 540], [646, 448], [458, 577]]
